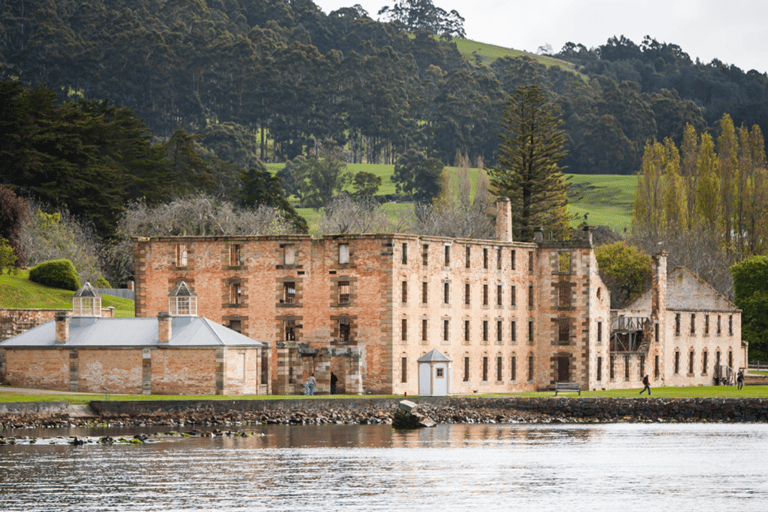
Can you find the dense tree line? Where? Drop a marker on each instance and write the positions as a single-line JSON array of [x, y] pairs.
[[275, 79]]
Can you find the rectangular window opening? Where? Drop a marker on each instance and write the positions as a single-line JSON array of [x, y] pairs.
[[343, 292], [235, 255], [289, 293]]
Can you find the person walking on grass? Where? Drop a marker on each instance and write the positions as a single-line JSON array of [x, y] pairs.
[[647, 385], [739, 380]]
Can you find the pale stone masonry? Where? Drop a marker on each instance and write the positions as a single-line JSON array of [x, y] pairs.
[[513, 316]]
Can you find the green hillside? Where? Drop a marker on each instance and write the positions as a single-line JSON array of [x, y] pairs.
[[483, 53], [607, 200], [17, 291]]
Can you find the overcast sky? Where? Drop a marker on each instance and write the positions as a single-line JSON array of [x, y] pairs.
[[734, 31]]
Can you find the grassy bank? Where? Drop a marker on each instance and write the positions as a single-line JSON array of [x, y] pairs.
[[663, 392], [17, 291], [607, 200]]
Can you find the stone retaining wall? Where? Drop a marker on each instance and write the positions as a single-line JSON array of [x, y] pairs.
[[442, 410]]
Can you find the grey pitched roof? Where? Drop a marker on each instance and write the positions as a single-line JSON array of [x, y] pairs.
[[86, 291], [434, 356], [182, 290], [189, 331]]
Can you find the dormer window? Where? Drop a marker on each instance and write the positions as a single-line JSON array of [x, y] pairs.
[[182, 301], [86, 302]]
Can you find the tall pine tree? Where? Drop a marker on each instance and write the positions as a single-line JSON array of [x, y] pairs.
[[528, 170]]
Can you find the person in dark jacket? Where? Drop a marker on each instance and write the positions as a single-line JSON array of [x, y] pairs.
[[739, 380], [647, 385]]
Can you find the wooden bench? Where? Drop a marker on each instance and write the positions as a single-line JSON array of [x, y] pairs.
[[567, 387]]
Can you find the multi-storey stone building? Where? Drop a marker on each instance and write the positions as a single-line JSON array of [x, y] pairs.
[[360, 310]]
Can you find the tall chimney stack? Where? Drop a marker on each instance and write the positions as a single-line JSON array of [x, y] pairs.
[[503, 219], [62, 326], [164, 320], [659, 284]]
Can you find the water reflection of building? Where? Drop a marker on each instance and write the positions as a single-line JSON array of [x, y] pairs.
[[512, 316]]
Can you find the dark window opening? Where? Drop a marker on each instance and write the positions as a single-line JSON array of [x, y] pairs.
[[289, 295], [290, 330], [344, 330], [343, 292], [234, 255]]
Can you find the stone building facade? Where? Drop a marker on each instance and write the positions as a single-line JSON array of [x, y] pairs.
[[175, 352], [362, 309], [513, 316], [695, 338]]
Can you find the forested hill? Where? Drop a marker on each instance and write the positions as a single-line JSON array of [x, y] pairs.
[[272, 79]]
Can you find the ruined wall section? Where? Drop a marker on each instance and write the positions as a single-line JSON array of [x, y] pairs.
[[573, 316], [290, 291], [469, 300]]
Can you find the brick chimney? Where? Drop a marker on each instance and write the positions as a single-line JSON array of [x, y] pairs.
[[164, 320], [62, 326], [503, 219], [659, 285]]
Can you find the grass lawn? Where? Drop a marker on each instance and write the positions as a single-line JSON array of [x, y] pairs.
[[17, 291], [485, 53], [661, 392], [690, 392], [607, 200]]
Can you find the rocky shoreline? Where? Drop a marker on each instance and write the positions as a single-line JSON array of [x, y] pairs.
[[227, 414]]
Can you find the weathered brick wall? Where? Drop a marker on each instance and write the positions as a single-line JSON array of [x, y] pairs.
[[42, 369], [118, 370], [184, 371], [135, 370], [262, 310], [16, 321], [583, 306]]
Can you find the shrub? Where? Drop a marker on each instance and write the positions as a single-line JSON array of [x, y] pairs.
[[102, 283], [7, 256], [57, 274]]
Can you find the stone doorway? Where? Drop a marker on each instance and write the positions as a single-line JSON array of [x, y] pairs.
[[563, 369]]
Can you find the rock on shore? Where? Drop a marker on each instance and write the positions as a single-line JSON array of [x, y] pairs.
[[382, 411]]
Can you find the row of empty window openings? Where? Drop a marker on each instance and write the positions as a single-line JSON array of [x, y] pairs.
[[236, 254], [486, 257], [485, 333], [564, 295], [692, 325], [289, 256]]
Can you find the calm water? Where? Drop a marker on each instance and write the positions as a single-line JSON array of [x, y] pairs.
[[451, 467]]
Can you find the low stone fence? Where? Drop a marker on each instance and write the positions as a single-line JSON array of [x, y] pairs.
[[376, 411]]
